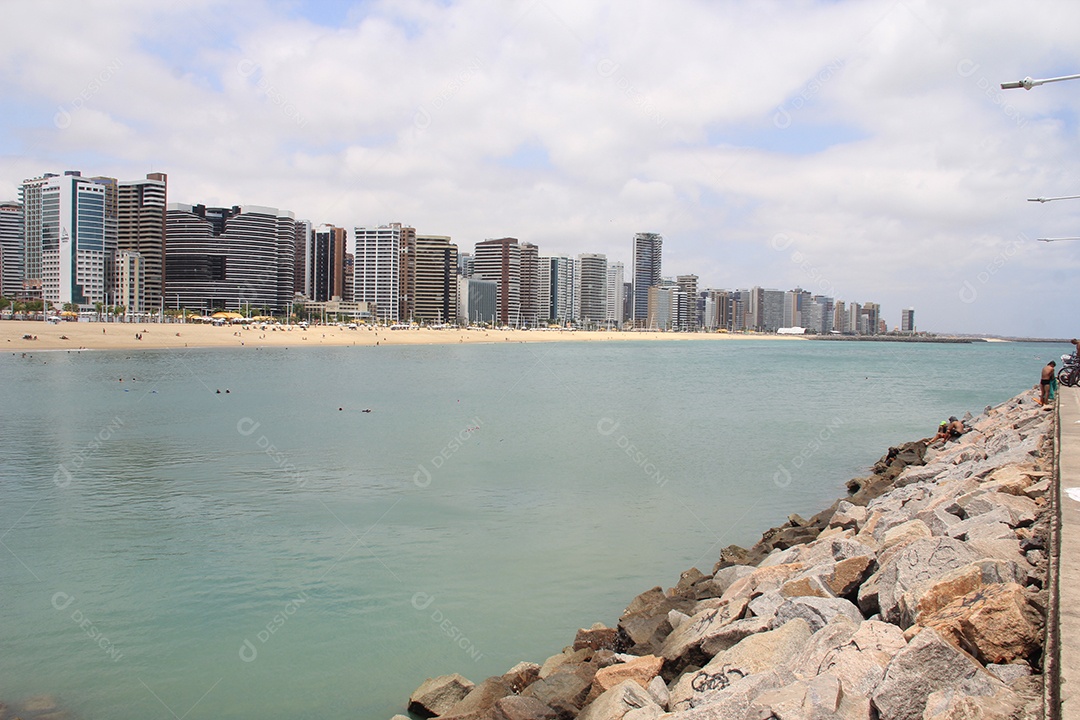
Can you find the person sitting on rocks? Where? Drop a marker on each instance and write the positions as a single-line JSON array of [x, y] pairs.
[[955, 428], [942, 433]]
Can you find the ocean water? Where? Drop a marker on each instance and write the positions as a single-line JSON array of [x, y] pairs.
[[273, 551]]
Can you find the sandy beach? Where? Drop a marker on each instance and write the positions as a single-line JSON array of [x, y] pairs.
[[122, 336]]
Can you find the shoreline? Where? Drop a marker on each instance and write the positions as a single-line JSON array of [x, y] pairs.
[[78, 336], [86, 336]]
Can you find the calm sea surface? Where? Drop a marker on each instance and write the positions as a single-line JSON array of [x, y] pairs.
[[276, 552]]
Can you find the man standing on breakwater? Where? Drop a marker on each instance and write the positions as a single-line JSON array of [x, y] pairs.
[[1044, 383]]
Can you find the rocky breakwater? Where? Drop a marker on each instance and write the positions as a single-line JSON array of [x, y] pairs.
[[920, 596]]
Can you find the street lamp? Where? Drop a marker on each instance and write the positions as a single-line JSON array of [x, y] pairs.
[[1048, 199], [1027, 83]]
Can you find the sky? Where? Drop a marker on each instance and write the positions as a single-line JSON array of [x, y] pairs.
[[862, 150]]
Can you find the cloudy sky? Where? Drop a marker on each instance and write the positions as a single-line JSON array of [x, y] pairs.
[[856, 149]]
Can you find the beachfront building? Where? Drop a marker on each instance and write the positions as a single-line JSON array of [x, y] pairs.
[[591, 292], [327, 263], [436, 282], [141, 230], [477, 300], [302, 252], [662, 303], [907, 321], [11, 249], [530, 286], [688, 284], [407, 272], [500, 260], [614, 304], [30, 199], [558, 288], [240, 258], [78, 240], [349, 270], [647, 252], [871, 319], [130, 292], [377, 277]]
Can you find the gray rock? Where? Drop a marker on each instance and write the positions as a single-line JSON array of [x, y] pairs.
[[819, 697], [848, 516], [917, 564], [436, 696], [1010, 672], [766, 604], [732, 634], [683, 646], [857, 653], [658, 690], [723, 578], [816, 611], [938, 520], [926, 665], [756, 654], [733, 702], [949, 704]]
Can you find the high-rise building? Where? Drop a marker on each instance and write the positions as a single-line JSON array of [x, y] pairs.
[[627, 300], [350, 274], [907, 320], [302, 252], [872, 312], [559, 287], [530, 285], [465, 264], [436, 279], [500, 260], [327, 263], [30, 198], [615, 315], [377, 276], [592, 277], [78, 240], [477, 300], [688, 284], [11, 249], [130, 290], [663, 311], [407, 272], [240, 258], [141, 230], [647, 254]]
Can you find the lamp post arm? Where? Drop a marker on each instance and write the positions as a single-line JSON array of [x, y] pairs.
[[1028, 83]]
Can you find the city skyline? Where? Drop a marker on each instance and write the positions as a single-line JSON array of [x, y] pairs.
[[854, 149]]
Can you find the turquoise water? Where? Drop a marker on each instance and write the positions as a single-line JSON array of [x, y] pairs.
[[276, 552]]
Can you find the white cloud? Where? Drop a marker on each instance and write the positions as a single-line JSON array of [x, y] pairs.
[[872, 133]]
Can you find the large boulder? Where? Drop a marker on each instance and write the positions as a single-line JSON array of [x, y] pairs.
[[928, 663], [517, 707], [756, 654], [956, 583], [641, 670], [436, 696], [1004, 704], [816, 611], [822, 696], [563, 692], [912, 568], [995, 623], [734, 700], [619, 701], [480, 700], [858, 653], [683, 646]]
